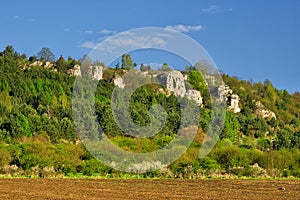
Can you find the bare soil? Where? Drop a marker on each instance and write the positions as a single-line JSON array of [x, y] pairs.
[[148, 189]]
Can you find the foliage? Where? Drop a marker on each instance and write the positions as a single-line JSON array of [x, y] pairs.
[[127, 62], [37, 131]]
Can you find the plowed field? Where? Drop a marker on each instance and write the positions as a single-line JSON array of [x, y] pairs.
[[147, 189]]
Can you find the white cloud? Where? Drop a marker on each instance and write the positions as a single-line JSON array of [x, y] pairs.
[[106, 31], [88, 45], [137, 41], [211, 9], [185, 28], [126, 40]]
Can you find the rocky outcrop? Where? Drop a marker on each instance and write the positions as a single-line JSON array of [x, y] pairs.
[[185, 77], [118, 81], [232, 100], [194, 95], [37, 63], [224, 91], [174, 82], [46, 65], [76, 71], [263, 112], [95, 72]]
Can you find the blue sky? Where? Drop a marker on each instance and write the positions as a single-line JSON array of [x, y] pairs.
[[249, 39]]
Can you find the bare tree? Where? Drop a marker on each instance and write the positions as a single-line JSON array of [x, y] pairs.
[[46, 55]]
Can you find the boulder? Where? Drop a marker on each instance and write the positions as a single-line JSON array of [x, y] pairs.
[[232, 100], [118, 81], [76, 71], [194, 95], [95, 72], [174, 82], [234, 103]]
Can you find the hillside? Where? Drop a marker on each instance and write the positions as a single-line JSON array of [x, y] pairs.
[[260, 137]]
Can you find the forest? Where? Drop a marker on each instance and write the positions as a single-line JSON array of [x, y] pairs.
[[38, 137]]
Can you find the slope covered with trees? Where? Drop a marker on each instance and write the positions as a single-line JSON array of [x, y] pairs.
[[38, 137]]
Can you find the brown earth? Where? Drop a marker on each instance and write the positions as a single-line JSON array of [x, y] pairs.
[[147, 189]]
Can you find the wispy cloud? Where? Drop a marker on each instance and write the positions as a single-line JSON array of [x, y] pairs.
[[211, 9], [88, 45], [185, 28], [139, 41], [106, 31], [126, 40]]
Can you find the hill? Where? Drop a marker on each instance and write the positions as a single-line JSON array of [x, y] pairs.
[[260, 137]]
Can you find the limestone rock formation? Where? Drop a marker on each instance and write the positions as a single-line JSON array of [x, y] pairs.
[[36, 63], [234, 103], [48, 65], [76, 71], [118, 81], [185, 77], [224, 92], [194, 95], [95, 72], [232, 100], [174, 81], [263, 112]]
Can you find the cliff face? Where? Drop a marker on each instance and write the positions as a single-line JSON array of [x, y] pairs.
[[94, 72], [234, 103], [226, 94], [174, 81]]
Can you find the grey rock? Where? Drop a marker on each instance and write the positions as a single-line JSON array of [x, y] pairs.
[[194, 95], [118, 81], [174, 81]]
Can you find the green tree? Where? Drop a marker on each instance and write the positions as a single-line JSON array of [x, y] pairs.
[[127, 62], [231, 127], [23, 123], [10, 52], [197, 82], [165, 67]]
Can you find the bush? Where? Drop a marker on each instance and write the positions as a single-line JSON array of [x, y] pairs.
[[92, 167], [5, 157], [207, 163], [230, 156]]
